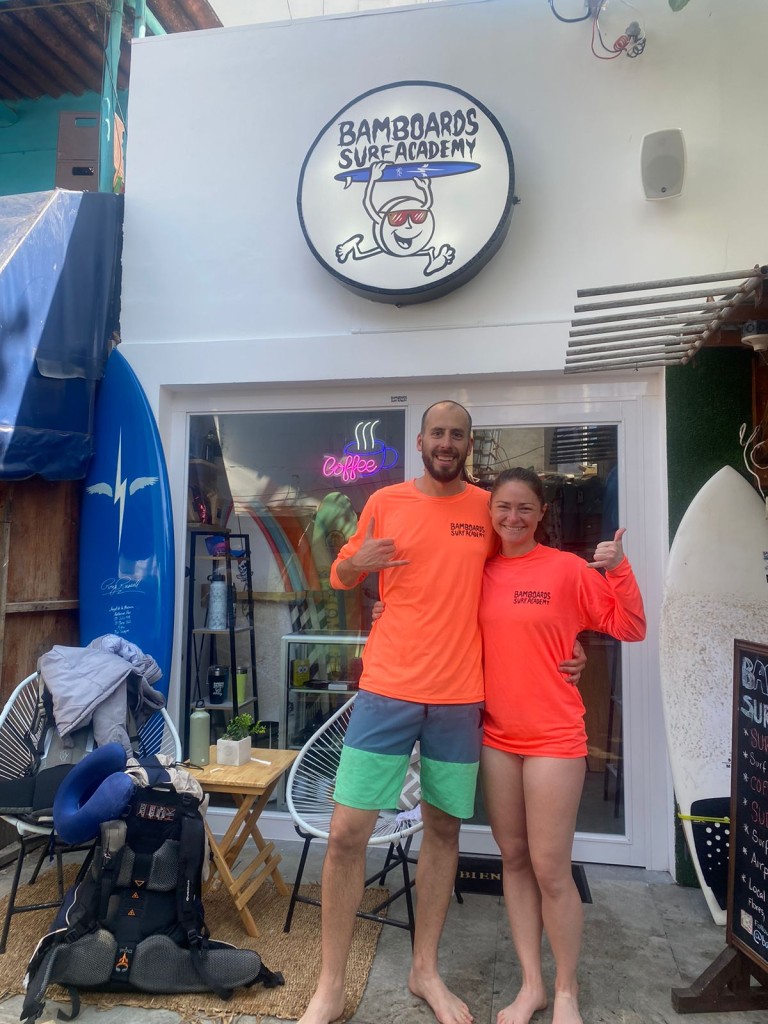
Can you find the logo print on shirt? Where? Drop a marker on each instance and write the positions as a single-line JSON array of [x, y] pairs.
[[467, 530], [532, 597]]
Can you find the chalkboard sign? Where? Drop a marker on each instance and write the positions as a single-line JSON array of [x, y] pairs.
[[747, 927]]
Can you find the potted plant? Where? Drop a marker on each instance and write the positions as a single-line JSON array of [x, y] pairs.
[[234, 747]]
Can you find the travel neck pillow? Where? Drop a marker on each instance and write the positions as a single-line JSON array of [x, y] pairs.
[[96, 790]]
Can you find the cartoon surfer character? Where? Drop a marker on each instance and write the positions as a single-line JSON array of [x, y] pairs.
[[402, 226]]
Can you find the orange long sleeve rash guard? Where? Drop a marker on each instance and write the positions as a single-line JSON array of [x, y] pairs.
[[531, 610], [426, 645]]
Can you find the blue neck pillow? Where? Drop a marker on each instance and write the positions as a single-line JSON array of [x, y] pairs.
[[97, 789]]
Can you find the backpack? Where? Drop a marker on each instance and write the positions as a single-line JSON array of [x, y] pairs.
[[133, 919]]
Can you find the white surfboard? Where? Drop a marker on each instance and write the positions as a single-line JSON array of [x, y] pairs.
[[716, 591]]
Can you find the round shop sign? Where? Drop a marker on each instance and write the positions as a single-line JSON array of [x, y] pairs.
[[407, 192]]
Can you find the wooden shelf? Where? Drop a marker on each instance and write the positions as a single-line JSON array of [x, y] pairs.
[[227, 705]]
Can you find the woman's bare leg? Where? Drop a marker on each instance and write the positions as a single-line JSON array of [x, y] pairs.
[[503, 795], [552, 788]]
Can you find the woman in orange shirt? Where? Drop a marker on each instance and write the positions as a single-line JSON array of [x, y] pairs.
[[535, 600]]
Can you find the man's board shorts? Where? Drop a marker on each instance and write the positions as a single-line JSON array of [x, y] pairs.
[[378, 745]]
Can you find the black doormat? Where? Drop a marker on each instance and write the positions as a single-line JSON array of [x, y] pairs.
[[483, 874]]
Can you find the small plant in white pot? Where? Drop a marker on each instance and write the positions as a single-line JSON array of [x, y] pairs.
[[234, 747]]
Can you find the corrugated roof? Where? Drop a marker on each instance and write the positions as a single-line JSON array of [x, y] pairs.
[[634, 329], [54, 47]]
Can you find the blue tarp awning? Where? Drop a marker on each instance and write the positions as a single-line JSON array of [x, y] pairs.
[[59, 272]]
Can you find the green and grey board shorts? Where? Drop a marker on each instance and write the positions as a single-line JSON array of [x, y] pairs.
[[377, 749]]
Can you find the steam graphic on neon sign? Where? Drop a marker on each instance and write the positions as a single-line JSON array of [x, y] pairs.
[[365, 456]]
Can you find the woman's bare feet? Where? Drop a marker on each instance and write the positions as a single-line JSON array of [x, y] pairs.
[[323, 1008], [566, 1010], [447, 1008], [529, 1000]]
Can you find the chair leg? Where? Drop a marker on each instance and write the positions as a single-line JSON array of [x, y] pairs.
[[28, 844], [457, 888], [408, 886], [387, 863], [51, 848], [40, 861], [396, 856], [60, 873], [297, 883], [399, 857], [12, 894]]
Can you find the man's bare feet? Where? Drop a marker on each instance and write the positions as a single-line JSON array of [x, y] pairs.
[[447, 1008], [529, 1000], [323, 1008], [566, 1009]]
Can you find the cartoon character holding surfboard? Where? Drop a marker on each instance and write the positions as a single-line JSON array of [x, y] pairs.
[[402, 226]]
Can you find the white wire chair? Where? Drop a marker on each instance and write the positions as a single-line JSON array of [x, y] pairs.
[[309, 795], [33, 761]]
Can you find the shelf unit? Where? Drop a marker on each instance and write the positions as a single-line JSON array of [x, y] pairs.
[[206, 646], [328, 659]]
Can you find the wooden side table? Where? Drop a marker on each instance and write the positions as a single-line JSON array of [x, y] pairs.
[[250, 787]]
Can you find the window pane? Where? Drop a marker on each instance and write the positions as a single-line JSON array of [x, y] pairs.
[[295, 483]]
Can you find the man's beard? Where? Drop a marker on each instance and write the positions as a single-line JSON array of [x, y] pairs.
[[443, 474]]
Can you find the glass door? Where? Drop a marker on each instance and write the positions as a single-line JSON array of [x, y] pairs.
[[580, 449], [578, 465]]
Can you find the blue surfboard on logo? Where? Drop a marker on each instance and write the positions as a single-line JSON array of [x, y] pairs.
[[126, 531], [406, 172]]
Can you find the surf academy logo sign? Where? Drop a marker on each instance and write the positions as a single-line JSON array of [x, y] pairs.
[[407, 192]]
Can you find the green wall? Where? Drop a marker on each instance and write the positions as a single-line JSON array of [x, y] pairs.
[[28, 146], [707, 401]]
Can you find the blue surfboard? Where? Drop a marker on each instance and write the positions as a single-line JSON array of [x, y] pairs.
[[126, 527], [405, 172]]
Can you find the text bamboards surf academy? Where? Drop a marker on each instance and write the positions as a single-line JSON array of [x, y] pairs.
[[748, 868], [407, 192], [737, 979]]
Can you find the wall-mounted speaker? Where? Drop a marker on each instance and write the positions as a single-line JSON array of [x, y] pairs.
[[662, 163]]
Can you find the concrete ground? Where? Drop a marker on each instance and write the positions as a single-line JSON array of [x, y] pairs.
[[644, 935]]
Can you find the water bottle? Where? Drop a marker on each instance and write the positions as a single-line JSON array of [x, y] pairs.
[[211, 446], [241, 679], [217, 602], [218, 677], [199, 735]]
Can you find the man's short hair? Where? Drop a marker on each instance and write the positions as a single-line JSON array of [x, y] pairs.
[[446, 401]]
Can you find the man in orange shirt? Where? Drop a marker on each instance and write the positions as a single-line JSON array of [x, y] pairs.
[[422, 680]]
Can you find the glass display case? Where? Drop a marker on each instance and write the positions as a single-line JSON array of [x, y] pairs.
[[320, 671]]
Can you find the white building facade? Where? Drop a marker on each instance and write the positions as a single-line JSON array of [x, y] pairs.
[[227, 313]]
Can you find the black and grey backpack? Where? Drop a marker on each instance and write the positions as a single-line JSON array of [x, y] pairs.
[[133, 919]]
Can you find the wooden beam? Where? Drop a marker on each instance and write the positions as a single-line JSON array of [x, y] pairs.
[[29, 607]]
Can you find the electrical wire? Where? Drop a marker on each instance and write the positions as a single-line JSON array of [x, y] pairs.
[[568, 21], [596, 29], [608, 49], [747, 456], [630, 44], [106, 68]]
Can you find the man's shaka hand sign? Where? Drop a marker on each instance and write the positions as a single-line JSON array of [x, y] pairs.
[[609, 553], [376, 553]]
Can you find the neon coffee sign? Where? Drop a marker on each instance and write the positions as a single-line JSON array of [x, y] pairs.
[[365, 456]]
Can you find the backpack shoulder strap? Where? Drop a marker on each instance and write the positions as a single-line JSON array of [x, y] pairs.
[[189, 880], [188, 885]]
